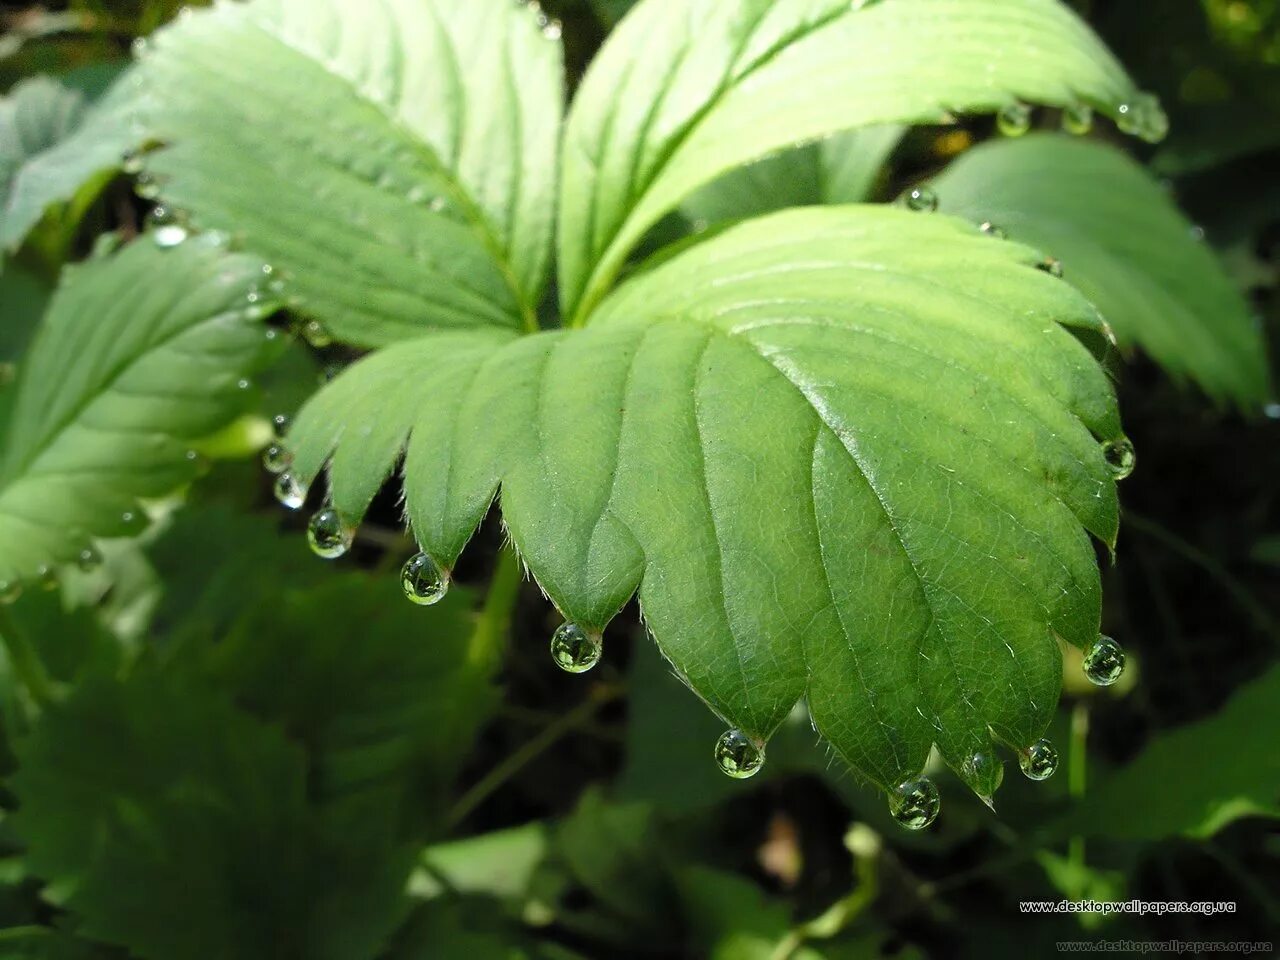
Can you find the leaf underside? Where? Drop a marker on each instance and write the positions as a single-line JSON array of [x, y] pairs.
[[741, 436], [141, 353], [1124, 244]]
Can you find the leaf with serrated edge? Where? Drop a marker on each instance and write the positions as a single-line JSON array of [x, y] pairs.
[[1125, 245], [734, 81], [396, 159], [744, 434], [141, 353]]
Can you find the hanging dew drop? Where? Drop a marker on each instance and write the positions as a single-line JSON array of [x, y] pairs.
[[991, 230], [1104, 662], [1014, 119], [921, 200], [275, 458], [280, 423], [423, 581], [166, 230], [316, 335], [915, 803], [89, 559], [1039, 761], [575, 650], [738, 756], [329, 535], [1052, 266], [1077, 119], [47, 577], [10, 591], [1120, 456], [289, 491]]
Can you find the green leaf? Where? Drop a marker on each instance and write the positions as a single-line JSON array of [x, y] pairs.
[[1126, 246], [734, 81], [52, 142], [792, 440], [1237, 775], [141, 353], [397, 159], [23, 299], [841, 169], [172, 824]]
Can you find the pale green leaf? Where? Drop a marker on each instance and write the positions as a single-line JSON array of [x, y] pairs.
[[1126, 246], [141, 353], [1237, 774], [52, 141], [396, 159], [793, 441], [735, 80]]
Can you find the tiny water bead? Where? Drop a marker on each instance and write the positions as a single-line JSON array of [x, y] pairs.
[[329, 534], [89, 559], [10, 591], [1052, 266], [738, 756], [1144, 117], [1039, 761], [280, 423], [1014, 119], [575, 650], [275, 458], [166, 229], [1077, 119], [921, 199], [991, 230], [316, 335], [423, 581], [1104, 661], [47, 577], [1120, 456], [915, 803], [289, 491]]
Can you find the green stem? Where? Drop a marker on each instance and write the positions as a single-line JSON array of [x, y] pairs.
[[1076, 774], [529, 752], [25, 662], [494, 620]]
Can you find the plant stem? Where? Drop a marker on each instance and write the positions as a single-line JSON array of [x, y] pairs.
[[517, 761], [494, 621], [25, 662], [1076, 772]]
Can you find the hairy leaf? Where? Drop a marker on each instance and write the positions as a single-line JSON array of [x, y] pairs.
[[141, 352], [742, 436], [397, 159], [1125, 245], [51, 143], [734, 80]]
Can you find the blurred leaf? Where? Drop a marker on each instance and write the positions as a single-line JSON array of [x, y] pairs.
[[23, 299], [730, 918], [1196, 779], [140, 354], [387, 697], [499, 864], [1125, 246], [43, 943], [168, 822]]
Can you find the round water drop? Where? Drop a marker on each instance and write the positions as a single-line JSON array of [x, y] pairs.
[[289, 491], [47, 577], [1039, 761], [1197, 233], [316, 335], [738, 756], [280, 423], [423, 581], [1120, 457], [1052, 266], [10, 591], [574, 650], [1014, 119], [991, 230], [166, 229], [276, 459], [552, 30], [921, 199], [1144, 117], [89, 559], [1104, 661], [1077, 119], [131, 162], [329, 535], [915, 803]]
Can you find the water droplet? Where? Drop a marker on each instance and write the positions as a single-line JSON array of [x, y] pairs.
[[1014, 119], [275, 458], [1271, 411], [316, 335], [131, 163], [243, 384], [280, 423], [1144, 117], [915, 803], [1197, 233], [46, 577], [1052, 266], [139, 46], [1077, 119], [984, 772], [289, 491], [574, 650], [921, 199], [1039, 761], [423, 581], [167, 229], [1104, 661], [146, 186], [1120, 457], [10, 591], [552, 30], [128, 518], [329, 534], [738, 756], [89, 559], [438, 204], [991, 230]]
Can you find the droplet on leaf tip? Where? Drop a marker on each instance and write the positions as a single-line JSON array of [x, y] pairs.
[[1039, 761], [738, 756], [921, 200], [10, 592], [1077, 119], [1052, 266], [289, 492], [1104, 661], [1121, 458], [329, 534], [574, 650], [423, 581], [991, 230], [275, 458], [89, 559], [1014, 119], [915, 803]]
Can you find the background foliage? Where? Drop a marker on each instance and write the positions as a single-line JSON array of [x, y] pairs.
[[214, 746]]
